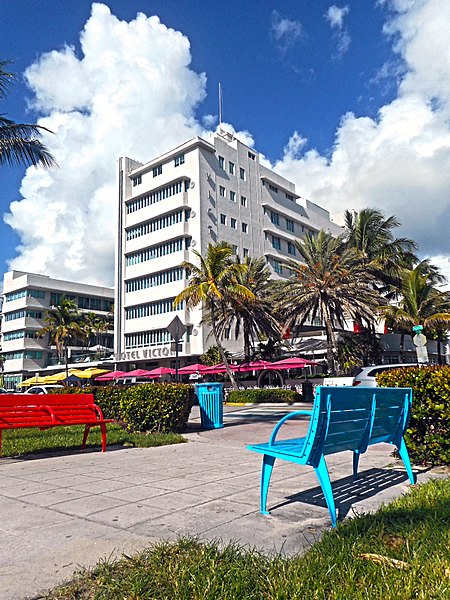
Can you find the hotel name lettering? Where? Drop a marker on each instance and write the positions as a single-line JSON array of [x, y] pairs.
[[144, 353]]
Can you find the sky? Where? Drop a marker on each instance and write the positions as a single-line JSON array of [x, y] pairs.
[[350, 100]]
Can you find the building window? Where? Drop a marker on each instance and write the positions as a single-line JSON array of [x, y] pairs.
[[251, 155], [245, 252], [149, 281], [276, 242], [232, 196], [273, 188], [156, 224], [136, 180], [157, 171], [274, 217], [222, 191], [243, 201], [290, 197], [151, 309], [156, 251], [290, 225], [244, 228], [235, 249], [221, 162], [291, 248], [25, 293], [223, 219], [231, 167], [156, 337], [277, 267], [179, 160], [233, 223], [156, 196], [242, 173]]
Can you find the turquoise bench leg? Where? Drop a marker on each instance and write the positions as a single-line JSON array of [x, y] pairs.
[[403, 451], [356, 456], [324, 480], [266, 472]]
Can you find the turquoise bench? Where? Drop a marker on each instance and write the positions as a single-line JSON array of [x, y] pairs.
[[342, 418]]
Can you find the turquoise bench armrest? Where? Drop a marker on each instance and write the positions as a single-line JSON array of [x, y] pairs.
[[283, 420]]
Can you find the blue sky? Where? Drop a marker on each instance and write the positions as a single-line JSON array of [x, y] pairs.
[[346, 99]]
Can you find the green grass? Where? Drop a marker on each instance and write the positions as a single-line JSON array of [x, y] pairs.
[[18, 442], [414, 529]]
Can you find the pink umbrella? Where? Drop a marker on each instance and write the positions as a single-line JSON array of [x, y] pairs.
[[160, 371], [138, 373], [220, 368], [190, 369], [254, 365], [110, 376], [291, 363]]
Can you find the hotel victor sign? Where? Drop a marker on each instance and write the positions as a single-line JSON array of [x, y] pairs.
[[144, 353]]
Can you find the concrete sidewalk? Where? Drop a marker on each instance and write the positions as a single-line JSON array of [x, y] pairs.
[[64, 512]]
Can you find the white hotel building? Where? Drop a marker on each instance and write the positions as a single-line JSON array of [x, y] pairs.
[[204, 191], [26, 298]]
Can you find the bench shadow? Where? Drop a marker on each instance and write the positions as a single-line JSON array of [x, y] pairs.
[[347, 492], [55, 452]]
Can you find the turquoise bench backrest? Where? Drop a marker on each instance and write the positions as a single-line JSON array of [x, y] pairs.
[[345, 418]]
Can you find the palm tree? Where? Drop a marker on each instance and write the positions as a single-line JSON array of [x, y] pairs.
[[371, 235], [94, 326], [330, 284], [253, 317], [215, 283], [62, 324], [20, 143], [421, 302]]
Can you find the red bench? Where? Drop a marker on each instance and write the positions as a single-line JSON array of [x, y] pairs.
[[20, 411]]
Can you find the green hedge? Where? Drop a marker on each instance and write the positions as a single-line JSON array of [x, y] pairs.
[[263, 395], [152, 407], [428, 435]]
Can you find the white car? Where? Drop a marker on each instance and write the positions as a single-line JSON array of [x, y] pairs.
[[42, 389], [367, 376]]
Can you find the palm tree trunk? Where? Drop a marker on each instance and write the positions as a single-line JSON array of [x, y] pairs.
[[66, 359], [246, 343], [331, 342], [221, 349]]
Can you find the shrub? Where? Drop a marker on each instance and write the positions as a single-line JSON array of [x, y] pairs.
[[264, 395], [428, 434], [157, 407], [153, 407]]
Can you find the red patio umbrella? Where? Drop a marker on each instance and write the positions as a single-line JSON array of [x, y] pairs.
[[291, 363], [160, 371], [138, 373], [220, 368], [253, 365], [190, 369], [110, 376]]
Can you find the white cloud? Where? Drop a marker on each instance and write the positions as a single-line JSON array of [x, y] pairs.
[[399, 161], [335, 17], [130, 93], [285, 31]]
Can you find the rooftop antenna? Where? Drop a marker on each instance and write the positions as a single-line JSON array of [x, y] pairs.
[[220, 104]]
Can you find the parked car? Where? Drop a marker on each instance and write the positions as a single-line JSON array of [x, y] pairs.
[[42, 389], [367, 376]]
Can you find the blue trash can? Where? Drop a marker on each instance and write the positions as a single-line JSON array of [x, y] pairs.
[[210, 399]]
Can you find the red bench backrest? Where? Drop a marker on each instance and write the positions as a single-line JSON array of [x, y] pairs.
[[19, 409]]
